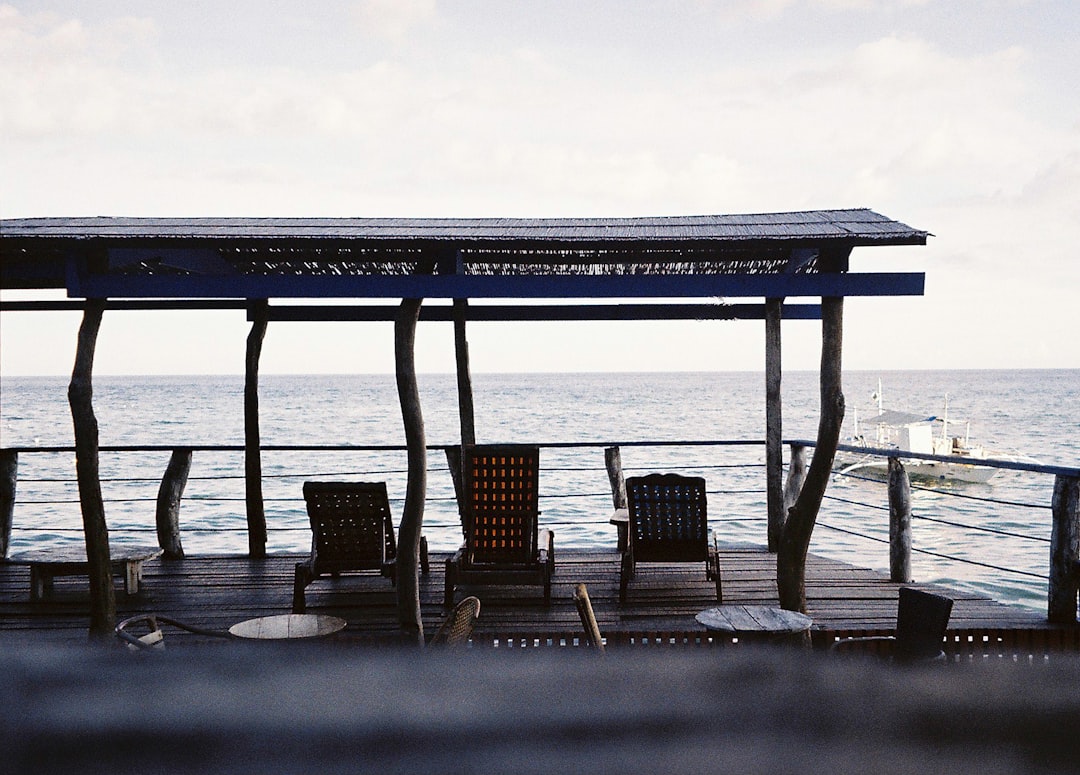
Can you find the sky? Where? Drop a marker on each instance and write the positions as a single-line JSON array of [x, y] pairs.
[[958, 117]]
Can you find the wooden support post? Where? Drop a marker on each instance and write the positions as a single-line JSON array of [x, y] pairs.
[[613, 462], [464, 375], [799, 527], [621, 520], [412, 516], [81, 399], [1064, 551], [256, 514], [796, 476], [168, 503], [774, 449], [899, 522], [9, 477]]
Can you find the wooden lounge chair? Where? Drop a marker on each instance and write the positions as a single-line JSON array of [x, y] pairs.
[[503, 545], [457, 628], [352, 531], [668, 523], [922, 619]]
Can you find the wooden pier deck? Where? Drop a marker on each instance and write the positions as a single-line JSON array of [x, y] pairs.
[[215, 592]]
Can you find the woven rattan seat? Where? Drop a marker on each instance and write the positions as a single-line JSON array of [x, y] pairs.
[[352, 531], [499, 513], [457, 628], [668, 523]]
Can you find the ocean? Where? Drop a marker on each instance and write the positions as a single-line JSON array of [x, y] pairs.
[[992, 539]]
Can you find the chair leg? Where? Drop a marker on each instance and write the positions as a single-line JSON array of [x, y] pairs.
[[449, 583], [625, 572], [303, 577], [425, 567]]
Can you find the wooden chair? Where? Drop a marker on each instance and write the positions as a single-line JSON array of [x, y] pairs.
[[668, 523], [922, 619], [352, 531], [503, 544], [457, 628], [154, 638]]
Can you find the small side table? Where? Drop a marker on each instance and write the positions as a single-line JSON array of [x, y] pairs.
[[288, 627], [755, 623], [46, 564]]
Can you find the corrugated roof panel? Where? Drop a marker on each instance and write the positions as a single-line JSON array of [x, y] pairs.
[[819, 224]]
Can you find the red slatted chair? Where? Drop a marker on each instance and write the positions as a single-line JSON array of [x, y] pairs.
[[503, 544]]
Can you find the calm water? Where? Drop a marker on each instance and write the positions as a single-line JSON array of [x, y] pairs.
[[1036, 413]]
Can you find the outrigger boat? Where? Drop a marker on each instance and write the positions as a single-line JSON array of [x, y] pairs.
[[893, 430]]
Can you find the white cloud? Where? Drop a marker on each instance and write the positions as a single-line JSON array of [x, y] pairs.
[[100, 118], [393, 19]]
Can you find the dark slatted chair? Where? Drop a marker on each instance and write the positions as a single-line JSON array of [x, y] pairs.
[[668, 523], [922, 619], [499, 514], [457, 628], [352, 531]]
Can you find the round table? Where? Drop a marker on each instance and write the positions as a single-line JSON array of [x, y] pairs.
[[756, 623], [288, 627]]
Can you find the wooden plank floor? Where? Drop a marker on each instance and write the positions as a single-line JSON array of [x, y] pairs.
[[215, 592]]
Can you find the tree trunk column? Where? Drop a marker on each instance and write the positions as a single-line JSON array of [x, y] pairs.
[[774, 449], [168, 503], [795, 540], [412, 517], [9, 477], [1064, 551], [80, 397], [256, 514], [464, 375], [899, 522]]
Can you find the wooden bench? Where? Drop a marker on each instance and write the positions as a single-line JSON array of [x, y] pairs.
[[47, 564]]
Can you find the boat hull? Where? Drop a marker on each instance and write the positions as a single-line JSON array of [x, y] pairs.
[[924, 470]]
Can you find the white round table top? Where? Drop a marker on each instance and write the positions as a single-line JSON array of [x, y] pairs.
[[288, 627], [748, 619]]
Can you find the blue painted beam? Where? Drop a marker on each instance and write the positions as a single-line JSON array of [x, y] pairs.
[[543, 312], [89, 285]]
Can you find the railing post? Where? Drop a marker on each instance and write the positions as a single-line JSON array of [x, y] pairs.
[[613, 463], [9, 475], [796, 476], [899, 522], [1064, 551], [168, 503]]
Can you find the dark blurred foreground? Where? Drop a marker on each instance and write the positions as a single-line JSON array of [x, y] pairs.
[[311, 709]]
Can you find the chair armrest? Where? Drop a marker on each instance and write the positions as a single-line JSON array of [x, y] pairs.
[[545, 541]]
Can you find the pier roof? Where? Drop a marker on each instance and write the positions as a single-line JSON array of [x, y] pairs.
[[771, 255]]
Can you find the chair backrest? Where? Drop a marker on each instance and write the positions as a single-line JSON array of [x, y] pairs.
[[668, 518], [351, 526], [501, 504], [458, 627], [921, 621]]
